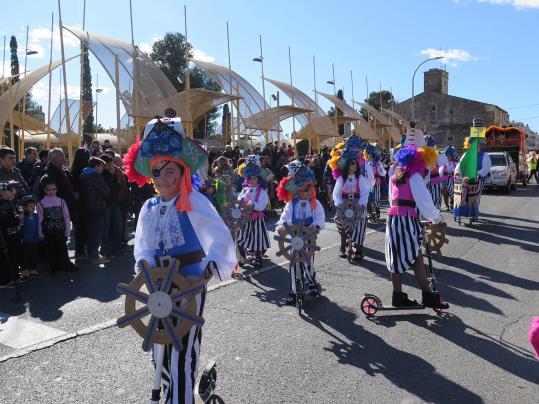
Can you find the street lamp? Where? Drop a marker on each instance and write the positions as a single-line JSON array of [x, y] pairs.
[[332, 82], [97, 91], [30, 52], [413, 81]]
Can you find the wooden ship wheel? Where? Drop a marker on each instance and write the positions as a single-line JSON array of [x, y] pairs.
[[236, 215], [167, 298], [436, 237], [301, 242], [347, 215]]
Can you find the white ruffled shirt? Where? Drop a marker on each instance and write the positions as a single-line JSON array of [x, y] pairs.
[[249, 193], [351, 187], [485, 166], [303, 211], [212, 233]]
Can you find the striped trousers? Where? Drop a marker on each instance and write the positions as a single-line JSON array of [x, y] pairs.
[[358, 234], [449, 184], [403, 242], [253, 236], [180, 368], [374, 196], [436, 193], [309, 275]]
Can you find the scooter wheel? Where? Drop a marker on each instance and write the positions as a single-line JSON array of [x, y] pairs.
[[437, 310], [369, 306]]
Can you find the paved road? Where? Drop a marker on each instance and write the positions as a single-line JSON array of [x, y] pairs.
[[60, 344]]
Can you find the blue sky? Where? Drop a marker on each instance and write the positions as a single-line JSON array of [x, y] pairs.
[[491, 45]]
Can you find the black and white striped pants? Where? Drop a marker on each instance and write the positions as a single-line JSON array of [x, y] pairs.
[[449, 185], [254, 236], [358, 234], [403, 242], [179, 374], [376, 195], [436, 193], [309, 275]]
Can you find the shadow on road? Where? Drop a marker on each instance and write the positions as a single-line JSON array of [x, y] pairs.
[[504, 355], [370, 353], [44, 297]]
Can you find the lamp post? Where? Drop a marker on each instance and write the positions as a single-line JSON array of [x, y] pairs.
[[97, 91], [332, 82], [260, 60], [413, 82]]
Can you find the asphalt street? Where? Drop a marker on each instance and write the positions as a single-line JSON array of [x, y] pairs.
[[60, 343]]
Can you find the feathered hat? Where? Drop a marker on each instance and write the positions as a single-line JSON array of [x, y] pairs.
[[430, 141], [345, 152], [371, 150], [450, 151], [299, 175], [251, 168], [410, 160], [164, 140]]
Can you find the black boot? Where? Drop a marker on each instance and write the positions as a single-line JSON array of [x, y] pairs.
[[432, 299], [400, 299], [378, 213], [291, 300], [358, 255]]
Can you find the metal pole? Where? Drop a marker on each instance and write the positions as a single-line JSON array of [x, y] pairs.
[[4, 57], [333, 70], [263, 85], [50, 86], [367, 86], [352, 81], [68, 121], [187, 78], [21, 136], [117, 74], [230, 91], [294, 117], [131, 18], [314, 80], [96, 94], [413, 82], [80, 134]]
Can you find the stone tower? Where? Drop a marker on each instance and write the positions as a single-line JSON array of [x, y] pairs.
[[436, 80]]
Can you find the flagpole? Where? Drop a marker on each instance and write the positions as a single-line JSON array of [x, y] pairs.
[[68, 121], [50, 87]]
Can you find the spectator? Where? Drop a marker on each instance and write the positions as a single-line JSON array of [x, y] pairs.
[[237, 155], [37, 172], [112, 227], [54, 227], [56, 172], [95, 149], [30, 239], [80, 161], [8, 171], [94, 195], [26, 165], [10, 234], [229, 153], [123, 196], [106, 145], [290, 151]]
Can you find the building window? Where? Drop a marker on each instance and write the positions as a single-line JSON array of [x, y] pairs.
[[450, 138]]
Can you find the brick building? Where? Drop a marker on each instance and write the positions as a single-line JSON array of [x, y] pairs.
[[446, 117]]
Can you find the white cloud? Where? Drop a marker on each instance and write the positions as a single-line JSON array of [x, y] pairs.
[[199, 54], [518, 4], [145, 47], [40, 92], [450, 56], [39, 39]]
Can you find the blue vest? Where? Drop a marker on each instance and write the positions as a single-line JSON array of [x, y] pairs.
[[191, 242], [295, 220]]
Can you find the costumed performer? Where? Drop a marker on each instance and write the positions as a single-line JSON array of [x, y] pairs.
[[298, 191], [436, 174], [448, 182], [474, 166], [222, 175], [253, 236], [373, 156], [179, 223], [351, 184], [404, 235]]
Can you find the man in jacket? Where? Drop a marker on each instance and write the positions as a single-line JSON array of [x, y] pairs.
[[26, 165], [8, 171], [94, 195]]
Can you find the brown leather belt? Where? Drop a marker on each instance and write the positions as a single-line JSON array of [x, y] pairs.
[[435, 175], [403, 202], [193, 257]]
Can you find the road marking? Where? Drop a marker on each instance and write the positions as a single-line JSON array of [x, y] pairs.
[[18, 333]]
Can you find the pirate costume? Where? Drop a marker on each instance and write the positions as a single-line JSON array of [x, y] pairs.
[[296, 210], [351, 187], [253, 236], [188, 228], [434, 184], [448, 181], [373, 154]]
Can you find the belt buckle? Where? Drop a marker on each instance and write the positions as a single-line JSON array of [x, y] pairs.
[[351, 196]]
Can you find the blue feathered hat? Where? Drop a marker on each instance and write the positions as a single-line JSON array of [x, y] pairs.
[[450, 152], [430, 141]]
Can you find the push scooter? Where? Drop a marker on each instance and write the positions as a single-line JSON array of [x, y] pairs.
[[371, 304]]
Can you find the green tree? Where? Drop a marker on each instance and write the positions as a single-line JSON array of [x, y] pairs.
[[87, 96], [14, 59], [374, 99], [169, 53]]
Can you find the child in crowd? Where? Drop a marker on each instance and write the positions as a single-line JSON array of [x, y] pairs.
[[30, 239], [10, 235], [254, 236], [55, 227], [299, 193]]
